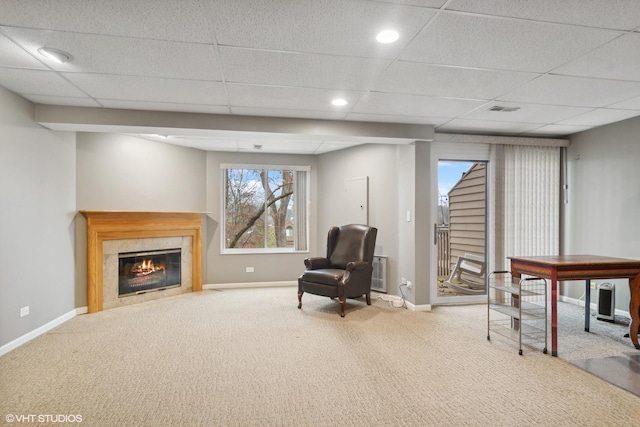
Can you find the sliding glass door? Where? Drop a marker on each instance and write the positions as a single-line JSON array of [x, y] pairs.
[[460, 217]]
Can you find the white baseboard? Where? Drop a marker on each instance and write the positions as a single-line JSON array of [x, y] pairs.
[[410, 306], [41, 330], [248, 285], [422, 307]]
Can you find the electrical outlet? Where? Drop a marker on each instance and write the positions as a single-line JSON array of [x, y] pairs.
[[403, 281], [249, 270], [593, 284], [24, 311], [409, 285]]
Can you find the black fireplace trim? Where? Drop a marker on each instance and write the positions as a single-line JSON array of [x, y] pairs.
[[170, 277]]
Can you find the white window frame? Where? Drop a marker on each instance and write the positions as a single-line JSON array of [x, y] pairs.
[[304, 216]]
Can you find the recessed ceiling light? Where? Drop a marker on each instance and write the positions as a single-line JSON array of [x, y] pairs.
[[339, 102], [387, 36], [55, 54]]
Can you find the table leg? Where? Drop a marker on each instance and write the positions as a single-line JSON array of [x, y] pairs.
[[634, 310], [587, 305], [554, 313]]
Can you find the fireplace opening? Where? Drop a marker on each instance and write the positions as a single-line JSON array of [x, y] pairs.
[[140, 272]]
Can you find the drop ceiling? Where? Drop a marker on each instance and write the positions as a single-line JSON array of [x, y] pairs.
[[556, 67]]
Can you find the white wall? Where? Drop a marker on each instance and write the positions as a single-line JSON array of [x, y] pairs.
[[604, 198], [406, 172], [37, 196], [120, 172], [379, 163], [423, 243]]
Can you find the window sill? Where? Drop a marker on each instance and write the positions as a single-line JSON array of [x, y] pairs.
[[261, 252]]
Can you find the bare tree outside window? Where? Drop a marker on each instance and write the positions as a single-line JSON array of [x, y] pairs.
[[259, 207]]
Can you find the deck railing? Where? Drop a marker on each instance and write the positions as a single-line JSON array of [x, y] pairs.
[[442, 236]]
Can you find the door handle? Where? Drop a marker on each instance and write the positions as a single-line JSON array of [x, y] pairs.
[[435, 233]]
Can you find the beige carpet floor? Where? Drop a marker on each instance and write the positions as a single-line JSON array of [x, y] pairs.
[[249, 357]]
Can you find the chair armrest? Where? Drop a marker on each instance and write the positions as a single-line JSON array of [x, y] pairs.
[[316, 263], [357, 265], [357, 274]]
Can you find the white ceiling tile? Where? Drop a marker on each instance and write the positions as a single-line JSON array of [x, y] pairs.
[[163, 106], [290, 58], [298, 147], [557, 130], [62, 100], [284, 112], [629, 104], [347, 27], [288, 98], [424, 3], [526, 113], [573, 91], [413, 105], [618, 14], [11, 55], [300, 69], [504, 44], [127, 56], [389, 118], [182, 20], [483, 126], [153, 89], [600, 117], [213, 144], [619, 59], [327, 147], [37, 82], [434, 80]]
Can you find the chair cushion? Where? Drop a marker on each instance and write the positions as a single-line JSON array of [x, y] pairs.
[[326, 276], [349, 246]]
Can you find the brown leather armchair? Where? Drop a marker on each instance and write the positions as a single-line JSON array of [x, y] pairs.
[[347, 269]]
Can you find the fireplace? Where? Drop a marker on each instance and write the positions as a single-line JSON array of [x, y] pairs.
[[110, 233], [140, 272]]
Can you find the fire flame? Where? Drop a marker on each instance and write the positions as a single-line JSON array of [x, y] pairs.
[[146, 267]]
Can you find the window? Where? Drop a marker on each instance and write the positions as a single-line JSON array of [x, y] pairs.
[[264, 208]]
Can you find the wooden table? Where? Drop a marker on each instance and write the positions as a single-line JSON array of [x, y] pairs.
[[582, 267]]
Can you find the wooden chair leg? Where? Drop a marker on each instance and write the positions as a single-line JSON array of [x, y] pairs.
[[342, 304], [368, 295], [300, 298]]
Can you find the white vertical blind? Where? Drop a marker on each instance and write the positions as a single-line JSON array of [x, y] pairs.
[[300, 203], [525, 199]]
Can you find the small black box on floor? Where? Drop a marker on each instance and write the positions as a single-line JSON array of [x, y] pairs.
[[606, 302]]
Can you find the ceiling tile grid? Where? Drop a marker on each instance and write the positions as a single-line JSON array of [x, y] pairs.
[[503, 44], [177, 20], [613, 14], [154, 89], [345, 27], [125, 56], [300, 69], [564, 66]]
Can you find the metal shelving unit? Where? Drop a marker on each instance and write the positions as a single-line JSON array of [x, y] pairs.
[[517, 310]]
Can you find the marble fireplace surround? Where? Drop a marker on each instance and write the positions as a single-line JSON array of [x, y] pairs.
[[122, 230]]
